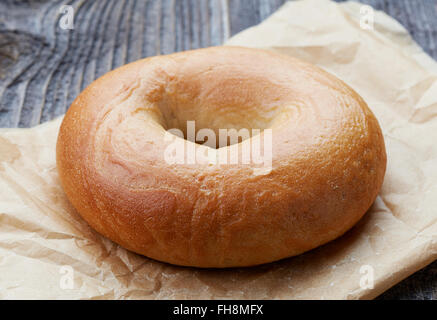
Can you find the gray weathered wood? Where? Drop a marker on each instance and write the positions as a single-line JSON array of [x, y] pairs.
[[43, 67]]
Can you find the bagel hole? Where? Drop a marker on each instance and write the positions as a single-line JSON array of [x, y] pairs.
[[215, 104]]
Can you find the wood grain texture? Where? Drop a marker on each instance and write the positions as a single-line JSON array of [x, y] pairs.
[[43, 67]]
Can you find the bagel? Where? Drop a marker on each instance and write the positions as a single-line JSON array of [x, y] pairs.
[[326, 167]]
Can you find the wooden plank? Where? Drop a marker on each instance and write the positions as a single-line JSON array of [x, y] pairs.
[[43, 67]]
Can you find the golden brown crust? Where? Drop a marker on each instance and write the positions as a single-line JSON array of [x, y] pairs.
[[328, 157]]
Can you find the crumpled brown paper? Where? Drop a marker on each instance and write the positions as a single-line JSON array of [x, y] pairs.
[[48, 251]]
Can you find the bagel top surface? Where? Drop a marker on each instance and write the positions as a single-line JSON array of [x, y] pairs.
[[327, 157]]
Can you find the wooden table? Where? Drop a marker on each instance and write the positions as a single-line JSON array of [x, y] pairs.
[[44, 67]]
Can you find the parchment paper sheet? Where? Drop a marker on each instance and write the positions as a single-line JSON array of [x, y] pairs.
[[40, 232]]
